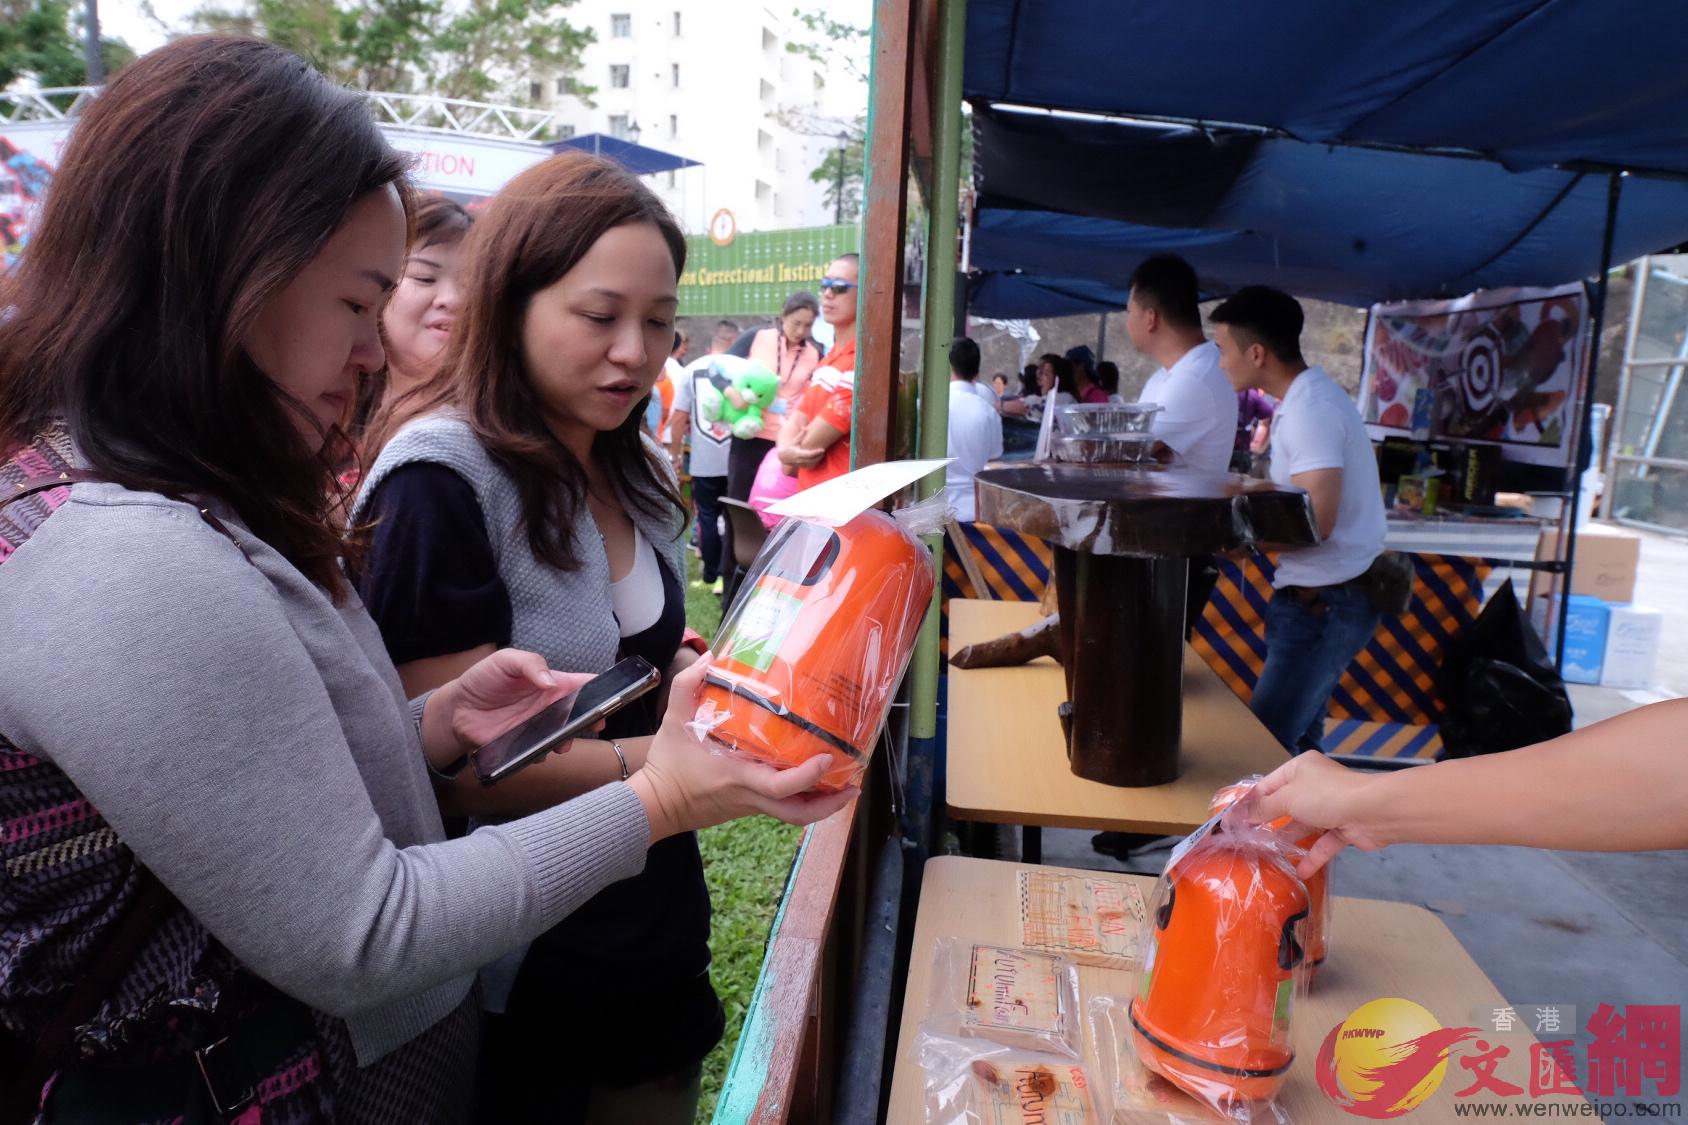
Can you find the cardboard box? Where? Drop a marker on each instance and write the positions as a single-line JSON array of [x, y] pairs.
[[1587, 622], [1605, 566], [1632, 647]]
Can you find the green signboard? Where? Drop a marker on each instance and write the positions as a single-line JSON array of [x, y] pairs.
[[754, 273]]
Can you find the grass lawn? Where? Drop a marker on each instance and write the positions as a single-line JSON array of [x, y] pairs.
[[745, 863]]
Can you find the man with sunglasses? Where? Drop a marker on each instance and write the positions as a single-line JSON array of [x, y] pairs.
[[814, 443]]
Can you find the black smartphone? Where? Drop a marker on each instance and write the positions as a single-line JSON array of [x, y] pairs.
[[574, 714]]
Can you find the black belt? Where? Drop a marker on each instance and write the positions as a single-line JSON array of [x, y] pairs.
[[1307, 595]]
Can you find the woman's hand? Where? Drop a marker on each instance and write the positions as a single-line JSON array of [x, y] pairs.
[[488, 699], [1317, 795], [684, 786]]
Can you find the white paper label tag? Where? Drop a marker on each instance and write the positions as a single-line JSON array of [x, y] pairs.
[[836, 502], [1190, 841]]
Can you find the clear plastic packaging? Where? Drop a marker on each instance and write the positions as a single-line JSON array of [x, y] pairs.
[[808, 660], [1318, 887], [1225, 967], [969, 1084], [1005, 995], [1108, 449], [1125, 1090], [1106, 418]]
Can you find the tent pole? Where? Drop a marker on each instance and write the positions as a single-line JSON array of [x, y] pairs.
[[1626, 376], [1101, 337], [942, 233], [879, 308], [1579, 456]]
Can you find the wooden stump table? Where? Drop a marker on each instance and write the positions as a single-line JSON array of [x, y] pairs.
[[1122, 537]]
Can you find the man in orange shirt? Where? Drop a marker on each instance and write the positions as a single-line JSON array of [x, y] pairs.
[[814, 443]]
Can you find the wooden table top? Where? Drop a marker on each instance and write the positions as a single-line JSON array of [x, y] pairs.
[[1144, 510], [1378, 949], [1007, 759]]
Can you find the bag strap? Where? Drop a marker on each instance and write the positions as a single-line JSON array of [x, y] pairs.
[[114, 957], [20, 1098], [41, 482]]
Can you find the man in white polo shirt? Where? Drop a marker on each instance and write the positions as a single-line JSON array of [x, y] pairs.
[[975, 428], [1197, 421], [1198, 418], [1321, 614]]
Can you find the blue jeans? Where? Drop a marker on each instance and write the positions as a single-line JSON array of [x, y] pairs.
[[1308, 646], [706, 495]]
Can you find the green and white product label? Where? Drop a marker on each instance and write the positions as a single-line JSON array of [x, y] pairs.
[[761, 628], [1149, 969], [1281, 1014]]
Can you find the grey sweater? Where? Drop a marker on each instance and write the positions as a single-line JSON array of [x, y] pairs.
[[251, 743], [559, 614]]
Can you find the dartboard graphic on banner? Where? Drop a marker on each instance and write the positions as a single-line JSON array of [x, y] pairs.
[[1479, 370], [1499, 366]]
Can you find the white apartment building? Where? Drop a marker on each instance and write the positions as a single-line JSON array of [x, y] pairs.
[[711, 80]]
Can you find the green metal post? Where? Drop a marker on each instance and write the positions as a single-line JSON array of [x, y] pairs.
[[938, 317]]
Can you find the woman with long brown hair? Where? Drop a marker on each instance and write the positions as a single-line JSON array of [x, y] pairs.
[[227, 890], [518, 502], [789, 352]]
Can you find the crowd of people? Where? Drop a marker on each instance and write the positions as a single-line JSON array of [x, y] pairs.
[[312, 488], [1217, 399], [803, 435]]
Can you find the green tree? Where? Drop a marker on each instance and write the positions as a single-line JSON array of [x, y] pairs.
[[835, 48], [841, 170], [40, 40], [476, 49]]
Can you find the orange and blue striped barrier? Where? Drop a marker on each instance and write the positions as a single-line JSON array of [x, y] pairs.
[[1386, 705]]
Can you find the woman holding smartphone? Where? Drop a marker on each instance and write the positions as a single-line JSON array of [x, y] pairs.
[[518, 503], [228, 890]]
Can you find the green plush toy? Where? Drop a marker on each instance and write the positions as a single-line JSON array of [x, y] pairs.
[[736, 393]]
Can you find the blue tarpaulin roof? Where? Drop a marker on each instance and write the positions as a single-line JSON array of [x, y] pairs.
[[1350, 151], [1536, 82], [638, 159]]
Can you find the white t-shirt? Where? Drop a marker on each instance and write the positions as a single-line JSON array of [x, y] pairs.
[[975, 439], [1199, 408], [1317, 426], [709, 441], [980, 388]]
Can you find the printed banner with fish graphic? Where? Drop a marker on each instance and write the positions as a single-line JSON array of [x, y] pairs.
[[1501, 366]]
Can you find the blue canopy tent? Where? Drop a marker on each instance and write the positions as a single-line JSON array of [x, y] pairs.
[[1471, 93], [1532, 83], [636, 158], [1341, 224], [1352, 152]]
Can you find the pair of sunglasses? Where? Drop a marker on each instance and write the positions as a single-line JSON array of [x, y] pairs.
[[834, 285]]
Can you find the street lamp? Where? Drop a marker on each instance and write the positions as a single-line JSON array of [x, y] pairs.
[[634, 132], [92, 61], [838, 200]]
